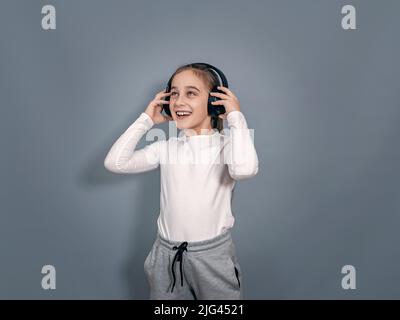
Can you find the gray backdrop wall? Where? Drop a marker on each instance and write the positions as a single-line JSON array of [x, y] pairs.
[[323, 101]]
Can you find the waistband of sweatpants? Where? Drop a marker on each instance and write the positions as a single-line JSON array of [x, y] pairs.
[[195, 246]]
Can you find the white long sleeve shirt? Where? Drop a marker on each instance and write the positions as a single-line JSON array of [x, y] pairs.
[[198, 174]]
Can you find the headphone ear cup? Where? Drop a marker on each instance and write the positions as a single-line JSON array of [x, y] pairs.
[[214, 109], [211, 107], [165, 106]]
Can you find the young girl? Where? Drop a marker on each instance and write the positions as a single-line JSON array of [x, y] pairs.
[[195, 219]]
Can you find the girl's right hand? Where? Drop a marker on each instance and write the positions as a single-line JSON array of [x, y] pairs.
[[154, 108]]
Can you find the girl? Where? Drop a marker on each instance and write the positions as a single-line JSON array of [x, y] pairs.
[[195, 219]]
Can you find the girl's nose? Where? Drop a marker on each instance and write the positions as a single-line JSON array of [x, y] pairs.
[[180, 100]]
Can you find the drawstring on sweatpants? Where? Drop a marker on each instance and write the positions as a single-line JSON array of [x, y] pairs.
[[178, 257]]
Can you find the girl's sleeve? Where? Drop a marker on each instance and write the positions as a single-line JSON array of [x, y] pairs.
[[123, 158], [241, 153]]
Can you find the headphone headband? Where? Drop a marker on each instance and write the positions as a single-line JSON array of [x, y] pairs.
[[222, 79]]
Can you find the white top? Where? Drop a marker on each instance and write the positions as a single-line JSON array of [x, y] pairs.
[[198, 174]]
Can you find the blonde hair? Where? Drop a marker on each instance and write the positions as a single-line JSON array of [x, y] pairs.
[[210, 79]]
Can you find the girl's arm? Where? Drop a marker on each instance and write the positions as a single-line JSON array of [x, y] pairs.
[[241, 153], [123, 158]]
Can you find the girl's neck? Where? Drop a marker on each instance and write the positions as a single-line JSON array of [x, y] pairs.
[[195, 132]]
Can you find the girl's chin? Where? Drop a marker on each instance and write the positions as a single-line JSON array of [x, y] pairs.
[[182, 123]]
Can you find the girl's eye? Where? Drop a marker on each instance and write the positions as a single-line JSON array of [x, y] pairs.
[[189, 93]]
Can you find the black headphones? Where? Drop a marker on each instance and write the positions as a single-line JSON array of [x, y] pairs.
[[213, 110]]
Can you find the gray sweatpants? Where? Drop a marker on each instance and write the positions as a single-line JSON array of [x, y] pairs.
[[200, 270]]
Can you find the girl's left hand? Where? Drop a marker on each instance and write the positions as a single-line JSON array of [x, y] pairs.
[[228, 100]]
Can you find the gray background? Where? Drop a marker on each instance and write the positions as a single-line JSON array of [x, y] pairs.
[[324, 104]]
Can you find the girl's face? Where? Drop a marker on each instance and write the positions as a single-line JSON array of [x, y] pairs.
[[189, 93]]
